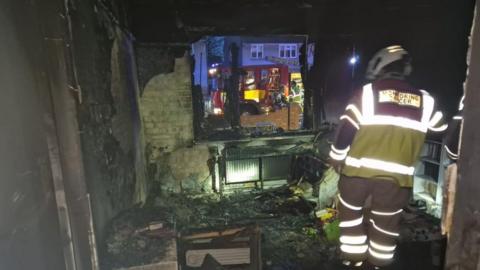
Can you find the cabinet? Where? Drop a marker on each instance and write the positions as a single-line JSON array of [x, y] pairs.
[[429, 175]]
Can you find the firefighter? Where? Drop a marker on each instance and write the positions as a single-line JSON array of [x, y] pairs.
[[378, 141]]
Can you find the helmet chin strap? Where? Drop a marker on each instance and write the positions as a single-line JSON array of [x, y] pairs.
[[391, 75], [398, 75]]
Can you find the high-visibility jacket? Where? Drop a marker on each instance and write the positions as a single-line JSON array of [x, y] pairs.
[[383, 129]]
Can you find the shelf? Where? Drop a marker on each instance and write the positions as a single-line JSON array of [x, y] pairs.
[[426, 196], [425, 177], [430, 160], [433, 142]]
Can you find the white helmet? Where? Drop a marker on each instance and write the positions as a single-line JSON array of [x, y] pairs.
[[385, 57]]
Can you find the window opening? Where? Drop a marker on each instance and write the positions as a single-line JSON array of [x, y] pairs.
[[270, 90]]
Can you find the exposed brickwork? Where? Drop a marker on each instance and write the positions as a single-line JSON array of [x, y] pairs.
[[167, 114], [166, 109]]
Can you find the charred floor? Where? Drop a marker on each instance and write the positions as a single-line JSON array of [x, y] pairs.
[[277, 229], [168, 135]]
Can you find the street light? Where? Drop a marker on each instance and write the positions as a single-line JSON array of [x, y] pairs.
[[353, 60]]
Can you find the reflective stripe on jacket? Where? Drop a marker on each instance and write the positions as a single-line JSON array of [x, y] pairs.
[[383, 131]]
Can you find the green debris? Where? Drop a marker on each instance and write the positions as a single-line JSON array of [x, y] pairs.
[[332, 231]]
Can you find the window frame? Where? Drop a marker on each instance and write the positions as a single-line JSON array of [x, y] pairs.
[[292, 49], [257, 48]]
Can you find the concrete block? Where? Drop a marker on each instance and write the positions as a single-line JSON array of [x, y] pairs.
[[190, 165]]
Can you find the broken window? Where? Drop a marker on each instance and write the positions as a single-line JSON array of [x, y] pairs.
[[258, 89]]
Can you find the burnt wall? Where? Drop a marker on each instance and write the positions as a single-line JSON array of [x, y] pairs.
[[110, 127], [153, 59]]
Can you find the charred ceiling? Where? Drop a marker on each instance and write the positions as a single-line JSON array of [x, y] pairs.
[[183, 21], [177, 21]]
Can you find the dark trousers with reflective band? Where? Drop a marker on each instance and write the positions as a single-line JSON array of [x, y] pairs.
[[370, 234]]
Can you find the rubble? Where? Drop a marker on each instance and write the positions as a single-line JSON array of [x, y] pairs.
[[419, 226], [292, 236], [296, 234]]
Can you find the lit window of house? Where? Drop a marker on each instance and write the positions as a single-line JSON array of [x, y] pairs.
[[256, 51], [287, 50]]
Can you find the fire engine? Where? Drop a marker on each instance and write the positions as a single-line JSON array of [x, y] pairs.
[[260, 86]]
